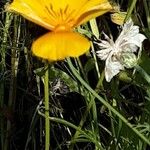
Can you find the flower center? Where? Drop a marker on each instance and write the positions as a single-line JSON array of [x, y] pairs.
[[63, 17], [62, 27]]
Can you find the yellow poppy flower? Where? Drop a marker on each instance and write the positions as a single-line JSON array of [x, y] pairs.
[[60, 16]]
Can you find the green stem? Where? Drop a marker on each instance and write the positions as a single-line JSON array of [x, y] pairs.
[[89, 106], [82, 69], [99, 86], [106, 103], [66, 123], [95, 121], [14, 69], [147, 11], [129, 12], [143, 73], [47, 122], [83, 119], [3, 127], [95, 31]]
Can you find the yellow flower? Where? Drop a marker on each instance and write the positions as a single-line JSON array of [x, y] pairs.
[[61, 17]]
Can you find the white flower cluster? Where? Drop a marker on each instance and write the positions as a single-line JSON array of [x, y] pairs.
[[120, 54]]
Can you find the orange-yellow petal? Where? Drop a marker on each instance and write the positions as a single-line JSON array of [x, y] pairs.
[[92, 9], [59, 45], [54, 13], [62, 4], [33, 10]]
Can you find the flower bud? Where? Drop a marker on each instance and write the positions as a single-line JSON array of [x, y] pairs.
[[129, 60]]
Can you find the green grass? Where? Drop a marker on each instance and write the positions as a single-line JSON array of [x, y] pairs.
[[68, 104]]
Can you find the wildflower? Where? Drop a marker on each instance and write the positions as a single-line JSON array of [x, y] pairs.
[[121, 53], [60, 17]]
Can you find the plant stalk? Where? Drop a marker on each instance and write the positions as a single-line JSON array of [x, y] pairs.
[[46, 97]]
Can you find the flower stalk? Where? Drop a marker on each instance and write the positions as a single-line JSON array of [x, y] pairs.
[[46, 97]]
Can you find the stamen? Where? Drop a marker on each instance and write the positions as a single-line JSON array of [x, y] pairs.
[[68, 15], [50, 14], [51, 11], [63, 16], [66, 8]]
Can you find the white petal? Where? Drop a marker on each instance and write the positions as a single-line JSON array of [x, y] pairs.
[[126, 28], [138, 39], [133, 43], [104, 44], [104, 53], [129, 38], [112, 68], [129, 48], [128, 24]]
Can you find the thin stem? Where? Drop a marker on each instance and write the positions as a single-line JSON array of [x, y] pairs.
[[47, 121], [83, 119], [14, 69], [3, 48], [106, 103], [95, 31], [99, 86], [143, 73], [147, 11], [62, 121], [89, 106], [82, 69], [129, 12], [95, 121]]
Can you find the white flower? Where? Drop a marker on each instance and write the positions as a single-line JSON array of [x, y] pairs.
[[128, 42]]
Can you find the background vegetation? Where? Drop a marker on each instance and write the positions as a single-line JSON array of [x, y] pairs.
[[80, 119]]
